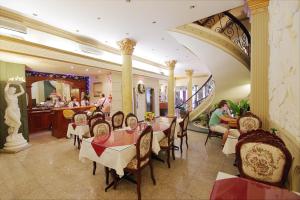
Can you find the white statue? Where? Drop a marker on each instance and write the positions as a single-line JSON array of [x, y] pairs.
[[14, 140]]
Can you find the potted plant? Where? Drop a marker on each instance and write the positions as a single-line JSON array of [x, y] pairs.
[[238, 109]]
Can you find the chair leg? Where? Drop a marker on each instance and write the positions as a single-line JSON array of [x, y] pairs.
[[138, 187], [94, 167], [173, 152], [75, 136], [106, 175], [152, 173], [168, 158], [186, 141], [208, 135], [78, 142], [181, 141]]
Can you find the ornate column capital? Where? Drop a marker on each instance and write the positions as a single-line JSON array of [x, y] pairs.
[[257, 6], [126, 46], [171, 64], [189, 72]]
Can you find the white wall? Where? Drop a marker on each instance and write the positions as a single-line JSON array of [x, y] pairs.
[[196, 81], [284, 70], [284, 79], [106, 80], [140, 98]]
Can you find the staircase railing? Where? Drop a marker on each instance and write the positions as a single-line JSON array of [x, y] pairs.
[[228, 25], [198, 97]]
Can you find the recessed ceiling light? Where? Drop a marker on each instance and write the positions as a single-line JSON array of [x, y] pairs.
[[77, 31], [98, 18], [87, 70], [162, 38], [152, 49], [106, 41], [154, 22], [34, 14], [192, 6], [128, 1], [127, 33], [72, 67], [177, 49]]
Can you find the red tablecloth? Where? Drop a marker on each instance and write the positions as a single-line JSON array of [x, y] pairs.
[[240, 188]]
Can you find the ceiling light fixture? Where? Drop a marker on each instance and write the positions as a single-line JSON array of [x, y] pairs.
[[162, 38], [34, 14], [154, 22], [128, 1], [87, 69], [72, 67], [98, 18], [77, 31], [127, 33], [192, 6]]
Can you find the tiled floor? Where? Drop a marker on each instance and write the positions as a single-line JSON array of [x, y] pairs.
[[50, 169]]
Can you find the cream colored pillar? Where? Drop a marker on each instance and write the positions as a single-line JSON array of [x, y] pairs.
[[171, 88], [127, 46], [259, 98], [189, 74]]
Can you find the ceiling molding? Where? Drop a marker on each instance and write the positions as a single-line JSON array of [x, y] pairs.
[[40, 26], [43, 47], [194, 76]]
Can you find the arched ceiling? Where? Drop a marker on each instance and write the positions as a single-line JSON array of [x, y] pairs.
[[146, 21]]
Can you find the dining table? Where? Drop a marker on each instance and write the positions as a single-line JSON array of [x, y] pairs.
[[230, 187], [119, 148]]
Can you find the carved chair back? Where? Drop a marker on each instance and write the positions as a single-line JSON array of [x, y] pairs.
[[264, 159], [248, 122], [117, 120], [80, 118], [144, 147], [100, 128], [94, 118], [131, 120], [184, 124]]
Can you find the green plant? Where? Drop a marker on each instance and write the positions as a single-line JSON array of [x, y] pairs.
[[273, 130], [238, 109]]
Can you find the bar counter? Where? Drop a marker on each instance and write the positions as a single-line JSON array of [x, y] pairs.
[[42, 119], [60, 124]]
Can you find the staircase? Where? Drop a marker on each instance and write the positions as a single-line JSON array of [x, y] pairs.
[[223, 43]]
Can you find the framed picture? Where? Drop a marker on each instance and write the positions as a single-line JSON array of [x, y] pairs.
[[97, 89]]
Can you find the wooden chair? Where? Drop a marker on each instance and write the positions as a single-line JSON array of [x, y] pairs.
[[183, 130], [79, 118], [143, 158], [261, 133], [131, 120], [95, 118], [97, 112], [167, 143], [117, 120], [246, 123], [263, 159], [100, 128], [212, 133]]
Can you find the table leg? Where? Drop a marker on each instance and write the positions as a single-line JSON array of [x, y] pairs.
[[115, 181]]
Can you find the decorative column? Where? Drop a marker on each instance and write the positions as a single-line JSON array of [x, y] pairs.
[[127, 46], [189, 73], [171, 88], [259, 97]]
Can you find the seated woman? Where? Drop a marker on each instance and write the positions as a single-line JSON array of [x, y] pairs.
[[216, 117], [73, 103], [59, 103]]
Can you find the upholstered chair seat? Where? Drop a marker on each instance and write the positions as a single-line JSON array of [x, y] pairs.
[[133, 163], [164, 142]]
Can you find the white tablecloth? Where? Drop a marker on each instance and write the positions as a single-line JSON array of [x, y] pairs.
[[232, 140], [79, 130], [118, 157]]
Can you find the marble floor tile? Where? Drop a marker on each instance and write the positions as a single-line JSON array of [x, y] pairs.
[[50, 169]]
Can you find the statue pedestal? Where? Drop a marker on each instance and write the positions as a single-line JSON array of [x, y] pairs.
[[15, 143]]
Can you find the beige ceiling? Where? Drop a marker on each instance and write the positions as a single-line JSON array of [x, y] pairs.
[[109, 21]]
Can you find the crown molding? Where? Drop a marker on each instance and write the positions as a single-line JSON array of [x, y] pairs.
[[43, 27]]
